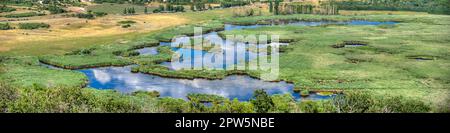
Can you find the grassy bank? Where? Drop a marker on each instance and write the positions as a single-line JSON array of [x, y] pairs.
[[408, 59]]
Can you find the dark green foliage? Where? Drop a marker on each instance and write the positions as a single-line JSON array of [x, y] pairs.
[[138, 2], [5, 26], [172, 105], [128, 53], [21, 15], [129, 11], [192, 7], [283, 103], [231, 3], [169, 8], [85, 15], [276, 7], [83, 61], [270, 6], [84, 51], [147, 93], [4, 8], [353, 102], [38, 98], [316, 107], [126, 26], [66, 100], [233, 106], [30, 26], [262, 101], [127, 22], [322, 9], [17, 3]]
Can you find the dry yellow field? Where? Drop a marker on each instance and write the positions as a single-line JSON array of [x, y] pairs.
[[68, 33], [70, 28]]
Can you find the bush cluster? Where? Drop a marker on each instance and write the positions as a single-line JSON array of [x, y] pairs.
[[30, 26]]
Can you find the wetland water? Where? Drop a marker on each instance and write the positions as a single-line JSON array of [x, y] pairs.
[[235, 86]]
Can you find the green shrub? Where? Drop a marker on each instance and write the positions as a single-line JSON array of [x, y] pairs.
[[84, 51], [126, 26], [129, 53], [434, 6], [4, 8], [147, 93], [5, 26], [84, 61], [55, 9], [205, 97], [171, 105], [234, 106], [38, 99], [26, 14], [8, 95], [262, 101], [30, 26], [283, 103], [85, 15], [169, 8], [127, 22], [100, 14], [308, 106], [399, 104], [363, 102]]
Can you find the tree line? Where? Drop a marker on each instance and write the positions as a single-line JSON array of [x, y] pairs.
[[430, 6], [169, 8]]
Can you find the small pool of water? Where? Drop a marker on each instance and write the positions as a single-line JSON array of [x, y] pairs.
[[236, 86]]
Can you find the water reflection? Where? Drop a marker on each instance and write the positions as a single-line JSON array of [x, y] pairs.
[[121, 79]]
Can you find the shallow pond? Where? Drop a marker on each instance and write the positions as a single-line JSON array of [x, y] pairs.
[[240, 87]]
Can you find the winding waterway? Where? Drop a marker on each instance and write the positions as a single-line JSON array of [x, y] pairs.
[[235, 86]]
